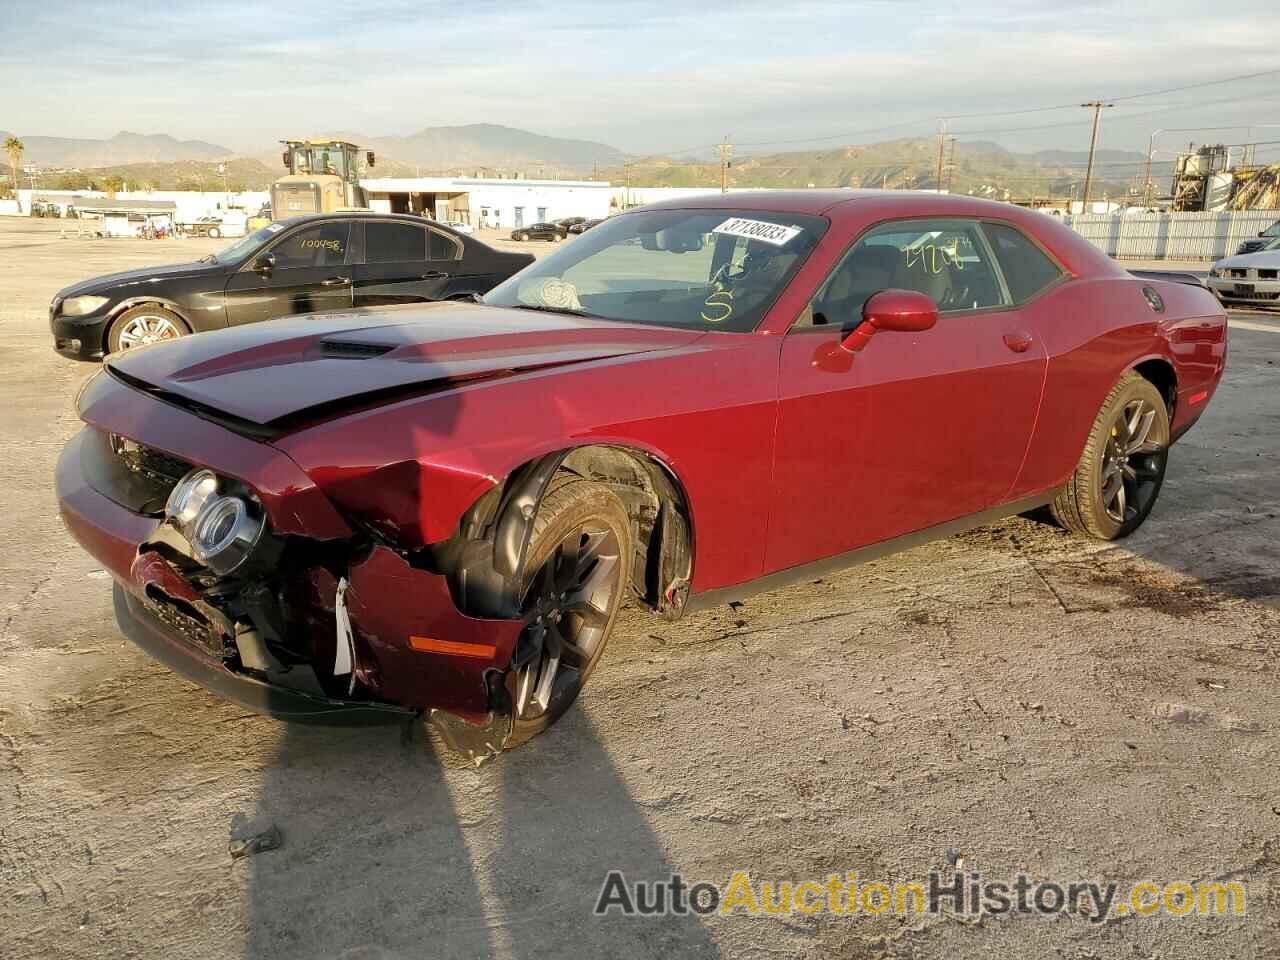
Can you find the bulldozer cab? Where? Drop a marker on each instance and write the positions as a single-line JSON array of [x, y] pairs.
[[324, 175]]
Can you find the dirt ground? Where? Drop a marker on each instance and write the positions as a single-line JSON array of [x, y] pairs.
[[1013, 697]]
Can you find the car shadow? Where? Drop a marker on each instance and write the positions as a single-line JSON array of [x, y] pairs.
[[393, 847]]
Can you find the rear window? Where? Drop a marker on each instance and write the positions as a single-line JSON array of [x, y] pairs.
[[1027, 268], [389, 242]]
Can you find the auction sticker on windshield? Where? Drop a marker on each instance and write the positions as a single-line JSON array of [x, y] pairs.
[[774, 233]]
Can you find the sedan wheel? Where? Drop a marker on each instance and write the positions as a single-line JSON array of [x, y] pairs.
[[1122, 468], [580, 555], [144, 325]]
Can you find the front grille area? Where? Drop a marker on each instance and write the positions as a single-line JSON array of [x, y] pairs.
[[135, 476], [149, 462], [1268, 274]]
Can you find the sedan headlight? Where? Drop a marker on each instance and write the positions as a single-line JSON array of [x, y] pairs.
[[222, 528], [81, 306], [1215, 272]]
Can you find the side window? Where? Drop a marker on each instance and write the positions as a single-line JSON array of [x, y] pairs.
[[323, 245], [386, 241], [1027, 269], [443, 247], [944, 259]]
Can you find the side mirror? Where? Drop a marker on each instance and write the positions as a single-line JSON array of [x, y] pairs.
[[905, 311], [265, 264], [284, 158], [369, 158]]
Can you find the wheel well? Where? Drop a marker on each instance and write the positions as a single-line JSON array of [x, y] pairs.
[[1161, 376], [485, 557]]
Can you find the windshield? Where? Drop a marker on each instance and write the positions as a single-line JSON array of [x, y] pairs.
[[696, 269], [245, 245]]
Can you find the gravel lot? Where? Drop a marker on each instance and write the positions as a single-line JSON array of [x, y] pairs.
[[1013, 696]]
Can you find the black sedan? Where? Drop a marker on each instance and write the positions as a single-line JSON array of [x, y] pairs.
[[539, 231], [584, 225], [308, 264]]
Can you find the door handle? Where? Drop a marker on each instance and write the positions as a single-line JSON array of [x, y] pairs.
[[435, 275], [1018, 341], [335, 282]]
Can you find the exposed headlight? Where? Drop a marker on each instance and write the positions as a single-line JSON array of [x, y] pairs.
[[81, 306], [1215, 272], [188, 498], [222, 529]]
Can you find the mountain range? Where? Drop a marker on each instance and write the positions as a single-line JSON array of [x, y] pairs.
[[124, 147], [980, 167]]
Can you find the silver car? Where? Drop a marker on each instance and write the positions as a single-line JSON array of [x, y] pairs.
[[1249, 277]]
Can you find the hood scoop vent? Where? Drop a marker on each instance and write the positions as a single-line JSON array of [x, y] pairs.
[[349, 350]]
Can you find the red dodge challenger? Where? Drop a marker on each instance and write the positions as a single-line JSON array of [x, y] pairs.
[[439, 509]]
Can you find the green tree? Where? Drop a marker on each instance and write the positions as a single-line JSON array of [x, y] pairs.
[[113, 184], [14, 147]]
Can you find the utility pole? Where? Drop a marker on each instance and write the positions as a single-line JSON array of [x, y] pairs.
[[726, 151], [1097, 107], [942, 146]]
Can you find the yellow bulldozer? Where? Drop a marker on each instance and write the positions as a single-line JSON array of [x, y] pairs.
[[324, 175]]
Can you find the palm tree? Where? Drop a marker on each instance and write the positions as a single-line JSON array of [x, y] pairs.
[[14, 147]]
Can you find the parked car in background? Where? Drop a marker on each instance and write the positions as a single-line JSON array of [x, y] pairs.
[[307, 264], [1249, 278], [567, 224], [459, 227], [539, 231], [584, 225], [440, 510], [1262, 240]]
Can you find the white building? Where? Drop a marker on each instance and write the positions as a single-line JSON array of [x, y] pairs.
[[485, 202]]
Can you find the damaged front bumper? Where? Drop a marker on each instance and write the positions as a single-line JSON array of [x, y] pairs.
[[269, 640]]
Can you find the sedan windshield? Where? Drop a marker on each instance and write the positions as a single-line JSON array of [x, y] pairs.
[[696, 269], [246, 245]]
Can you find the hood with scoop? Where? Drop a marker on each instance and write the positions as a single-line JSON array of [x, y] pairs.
[[275, 375]]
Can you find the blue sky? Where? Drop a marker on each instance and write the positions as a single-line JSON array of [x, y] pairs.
[[642, 75]]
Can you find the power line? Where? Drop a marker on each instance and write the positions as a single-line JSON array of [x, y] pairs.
[[992, 113]]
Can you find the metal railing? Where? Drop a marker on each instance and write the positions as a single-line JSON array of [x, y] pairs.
[[1171, 236]]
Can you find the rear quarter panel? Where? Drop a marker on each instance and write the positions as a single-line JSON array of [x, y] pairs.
[[1095, 330]]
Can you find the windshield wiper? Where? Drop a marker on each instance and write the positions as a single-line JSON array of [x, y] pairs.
[[539, 308]]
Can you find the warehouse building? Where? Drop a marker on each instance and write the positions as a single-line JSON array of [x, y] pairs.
[[486, 202]]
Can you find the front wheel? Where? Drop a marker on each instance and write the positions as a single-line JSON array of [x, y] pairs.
[[143, 325], [580, 563], [1122, 468], [214, 233]]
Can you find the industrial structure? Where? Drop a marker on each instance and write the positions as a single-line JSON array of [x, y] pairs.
[[1208, 179]]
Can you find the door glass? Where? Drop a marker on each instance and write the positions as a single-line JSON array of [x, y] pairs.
[[943, 259], [388, 242], [444, 248], [322, 245], [1027, 268]]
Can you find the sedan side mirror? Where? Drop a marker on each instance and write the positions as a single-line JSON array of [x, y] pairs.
[[905, 311], [265, 264]]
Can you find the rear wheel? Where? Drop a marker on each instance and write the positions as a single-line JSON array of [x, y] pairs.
[[214, 233], [580, 562], [143, 325], [1122, 468]]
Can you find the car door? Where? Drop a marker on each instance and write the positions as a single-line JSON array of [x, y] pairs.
[[917, 428], [304, 271], [404, 262]]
